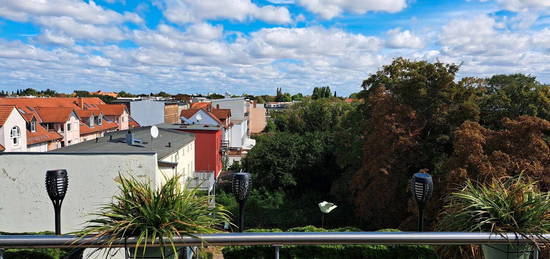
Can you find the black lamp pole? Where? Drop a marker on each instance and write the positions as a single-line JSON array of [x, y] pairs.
[[421, 188], [57, 182], [241, 187]]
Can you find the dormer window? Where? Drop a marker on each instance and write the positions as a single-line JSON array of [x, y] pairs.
[[99, 120], [15, 134], [69, 126], [33, 125], [91, 120]]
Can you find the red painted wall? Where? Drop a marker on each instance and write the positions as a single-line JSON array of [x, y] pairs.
[[207, 150]]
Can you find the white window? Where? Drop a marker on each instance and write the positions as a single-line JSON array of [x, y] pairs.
[[177, 157], [99, 120], [91, 120], [69, 126], [33, 125], [15, 135]]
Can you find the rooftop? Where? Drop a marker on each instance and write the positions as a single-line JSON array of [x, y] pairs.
[[167, 142], [188, 126]]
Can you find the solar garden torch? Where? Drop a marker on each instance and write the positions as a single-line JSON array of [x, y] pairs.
[[421, 188], [241, 187], [56, 185]]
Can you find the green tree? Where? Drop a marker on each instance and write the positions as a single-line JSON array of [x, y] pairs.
[[512, 96], [321, 92], [297, 97]]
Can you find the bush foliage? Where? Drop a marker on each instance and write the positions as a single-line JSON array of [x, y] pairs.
[[328, 251]]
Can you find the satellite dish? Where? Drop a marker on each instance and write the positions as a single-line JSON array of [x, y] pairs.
[[199, 117], [154, 131]]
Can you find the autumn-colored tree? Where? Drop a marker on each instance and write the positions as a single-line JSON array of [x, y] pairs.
[[481, 153], [412, 109]]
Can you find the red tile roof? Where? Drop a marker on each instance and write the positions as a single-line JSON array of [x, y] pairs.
[[221, 114], [41, 135], [189, 113], [54, 114], [105, 125], [2, 148], [99, 92], [201, 105], [72, 102], [133, 124], [5, 112], [87, 113], [112, 109]]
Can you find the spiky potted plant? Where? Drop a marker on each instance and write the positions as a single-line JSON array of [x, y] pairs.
[[154, 216], [503, 205]]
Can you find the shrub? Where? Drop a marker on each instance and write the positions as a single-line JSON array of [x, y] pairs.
[[328, 251]]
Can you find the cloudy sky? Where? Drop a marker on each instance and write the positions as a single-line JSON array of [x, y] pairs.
[[255, 46]]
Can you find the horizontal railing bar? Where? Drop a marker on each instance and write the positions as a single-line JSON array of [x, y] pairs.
[[284, 238]]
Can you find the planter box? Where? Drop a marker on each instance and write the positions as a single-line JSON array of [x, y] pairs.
[[506, 251]]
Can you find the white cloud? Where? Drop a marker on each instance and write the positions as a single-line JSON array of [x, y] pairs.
[[478, 37], [190, 11], [308, 42], [331, 8], [523, 5], [50, 37], [282, 1], [90, 32], [79, 10], [99, 61], [403, 39]]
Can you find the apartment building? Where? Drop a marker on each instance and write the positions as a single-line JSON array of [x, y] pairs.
[[73, 119], [93, 168]]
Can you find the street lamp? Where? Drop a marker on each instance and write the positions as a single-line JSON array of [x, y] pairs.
[[241, 187], [56, 185], [421, 188]]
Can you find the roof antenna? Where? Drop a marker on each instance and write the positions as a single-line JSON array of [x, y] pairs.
[[110, 137], [96, 139], [169, 144]]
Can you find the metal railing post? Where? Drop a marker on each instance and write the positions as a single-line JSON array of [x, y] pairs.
[[1, 253], [536, 253], [277, 250]]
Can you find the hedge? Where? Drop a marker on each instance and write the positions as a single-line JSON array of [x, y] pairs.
[[329, 251], [38, 253]]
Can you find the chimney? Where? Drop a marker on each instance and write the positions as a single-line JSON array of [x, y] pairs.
[[254, 104], [129, 138], [217, 106], [169, 144], [81, 102]]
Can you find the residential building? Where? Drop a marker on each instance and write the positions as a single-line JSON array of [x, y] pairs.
[[208, 151], [148, 112], [93, 169], [62, 120], [258, 120], [171, 112], [240, 134], [12, 130], [92, 125], [99, 92], [74, 119], [38, 138], [116, 113], [277, 105]]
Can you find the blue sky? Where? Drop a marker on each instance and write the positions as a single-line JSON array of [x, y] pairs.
[[256, 46]]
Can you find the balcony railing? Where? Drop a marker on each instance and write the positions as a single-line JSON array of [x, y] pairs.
[[202, 180], [278, 239]]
